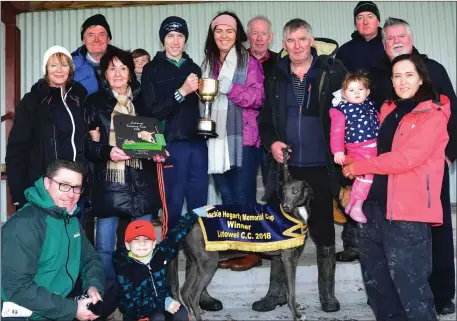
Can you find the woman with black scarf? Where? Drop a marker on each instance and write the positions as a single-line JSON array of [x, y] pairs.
[[404, 200]]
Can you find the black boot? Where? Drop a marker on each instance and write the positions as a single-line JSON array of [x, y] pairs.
[[444, 307], [347, 255], [278, 288], [209, 303], [326, 280]]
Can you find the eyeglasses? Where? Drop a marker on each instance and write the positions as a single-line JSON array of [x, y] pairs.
[[63, 187]]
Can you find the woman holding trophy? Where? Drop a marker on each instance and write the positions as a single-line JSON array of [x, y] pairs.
[[234, 155]]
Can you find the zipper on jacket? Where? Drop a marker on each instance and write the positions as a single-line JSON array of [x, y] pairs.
[[152, 279], [396, 141], [379, 129], [66, 220], [148, 265], [428, 191], [300, 116], [72, 121], [55, 143]]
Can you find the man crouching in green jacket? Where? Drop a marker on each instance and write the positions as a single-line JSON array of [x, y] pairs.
[[44, 251]]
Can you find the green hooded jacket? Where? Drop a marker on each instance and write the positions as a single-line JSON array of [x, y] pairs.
[[43, 252]]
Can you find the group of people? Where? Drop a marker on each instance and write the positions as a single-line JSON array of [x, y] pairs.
[[378, 113]]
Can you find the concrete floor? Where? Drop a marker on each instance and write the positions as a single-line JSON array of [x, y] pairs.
[[238, 290]]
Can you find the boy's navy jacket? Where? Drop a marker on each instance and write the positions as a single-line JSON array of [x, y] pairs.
[[159, 81], [143, 287]]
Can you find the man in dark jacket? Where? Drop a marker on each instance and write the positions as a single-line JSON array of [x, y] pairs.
[[260, 36], [296, 116], [365, 47], [44, 251], [359, 54], [96, 35], [169, 83], [398, 40]]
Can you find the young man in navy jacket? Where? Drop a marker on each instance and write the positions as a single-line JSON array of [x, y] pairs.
[[169, 83]]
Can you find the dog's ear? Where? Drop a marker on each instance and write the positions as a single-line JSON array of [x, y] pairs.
[[309, 192]]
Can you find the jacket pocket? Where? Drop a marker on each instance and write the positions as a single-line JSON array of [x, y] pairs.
[[428, 190]]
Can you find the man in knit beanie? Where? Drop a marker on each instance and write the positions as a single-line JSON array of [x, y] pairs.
[[169, 83], [366, 47], [96, 35], [366, 6], [359, 54], [175, 24]]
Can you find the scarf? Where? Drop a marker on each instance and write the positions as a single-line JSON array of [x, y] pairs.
[[226, 151], [124, 106]]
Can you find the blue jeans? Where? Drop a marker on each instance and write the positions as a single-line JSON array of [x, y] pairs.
[[105, 241], [239, 185], [186, 177]]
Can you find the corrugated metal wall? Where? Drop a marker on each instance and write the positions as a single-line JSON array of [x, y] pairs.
[[134, 27], [2, 126], [433, 25]]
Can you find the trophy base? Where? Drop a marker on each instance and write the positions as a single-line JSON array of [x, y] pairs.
[[207, 134], [207, 128]]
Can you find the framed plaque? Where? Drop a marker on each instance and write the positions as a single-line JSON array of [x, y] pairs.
[[139, 137]]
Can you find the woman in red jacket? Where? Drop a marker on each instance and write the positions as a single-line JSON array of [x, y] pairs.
[[404, 200]]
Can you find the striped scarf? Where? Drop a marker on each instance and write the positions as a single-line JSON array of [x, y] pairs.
[[226, 151], [124, 106]]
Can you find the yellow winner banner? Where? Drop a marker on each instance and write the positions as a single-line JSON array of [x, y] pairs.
[[251, 228]]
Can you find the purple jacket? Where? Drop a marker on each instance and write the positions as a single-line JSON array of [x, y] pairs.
[[250, 98]]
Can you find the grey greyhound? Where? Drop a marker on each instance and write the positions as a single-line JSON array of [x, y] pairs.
[[296, 196]]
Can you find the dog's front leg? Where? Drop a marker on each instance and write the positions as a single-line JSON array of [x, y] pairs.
[[173, 278], [290, 261]]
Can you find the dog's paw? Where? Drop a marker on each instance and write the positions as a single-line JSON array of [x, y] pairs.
[[300, 317]]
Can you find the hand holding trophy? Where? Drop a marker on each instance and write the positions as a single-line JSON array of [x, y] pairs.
[[190, 85]]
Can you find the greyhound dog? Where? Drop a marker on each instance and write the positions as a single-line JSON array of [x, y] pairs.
[[295, 197]]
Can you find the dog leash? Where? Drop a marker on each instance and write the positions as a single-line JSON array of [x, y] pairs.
[[163, 199]]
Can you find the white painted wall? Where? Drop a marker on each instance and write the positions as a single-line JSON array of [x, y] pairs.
[[433, 25]]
